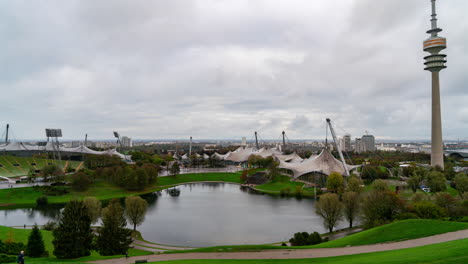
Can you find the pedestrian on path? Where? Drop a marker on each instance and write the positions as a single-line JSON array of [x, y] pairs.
[[20, 259]]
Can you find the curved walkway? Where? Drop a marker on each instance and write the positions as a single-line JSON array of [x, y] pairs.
[[297, 253]]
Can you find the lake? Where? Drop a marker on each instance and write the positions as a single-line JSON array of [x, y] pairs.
[[207, 214]]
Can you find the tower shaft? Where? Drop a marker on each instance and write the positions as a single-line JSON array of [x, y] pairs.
[[437, 156]]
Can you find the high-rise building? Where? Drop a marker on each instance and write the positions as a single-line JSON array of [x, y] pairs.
[[435, 63], [365, 143], [345, 143], [126, 142]]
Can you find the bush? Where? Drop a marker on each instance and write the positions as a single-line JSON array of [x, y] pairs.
[[243, 177], [7, 258], [285, 191], [298, 192], [404, 216], [428, 210], [304, 239], [42, 201], [35, 246], [50, 225]]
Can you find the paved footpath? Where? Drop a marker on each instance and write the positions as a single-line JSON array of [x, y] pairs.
[[297, 253]]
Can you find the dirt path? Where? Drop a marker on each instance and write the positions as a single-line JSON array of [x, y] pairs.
[[297, 253]]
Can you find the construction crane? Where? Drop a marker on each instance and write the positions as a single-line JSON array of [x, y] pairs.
[[337, 146]]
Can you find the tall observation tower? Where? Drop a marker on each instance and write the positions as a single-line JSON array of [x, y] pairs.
[[435, 63]]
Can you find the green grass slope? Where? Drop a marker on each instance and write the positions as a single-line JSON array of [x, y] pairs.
[[397, 231], [9, 170], [454, 252]]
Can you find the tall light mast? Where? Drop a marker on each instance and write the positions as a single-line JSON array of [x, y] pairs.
[[256, 140], [190, 147], [284, 141], [6, 136], [435, 63]]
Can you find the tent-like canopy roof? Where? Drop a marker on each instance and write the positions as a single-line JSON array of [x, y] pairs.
[[20, 146], [291, 158], [324, 163]]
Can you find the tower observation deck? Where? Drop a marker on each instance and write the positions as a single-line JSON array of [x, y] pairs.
[[435, 63]]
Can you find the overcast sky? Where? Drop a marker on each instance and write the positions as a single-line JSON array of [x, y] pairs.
[[223, 69]]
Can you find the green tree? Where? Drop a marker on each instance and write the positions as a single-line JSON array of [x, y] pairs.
[[135, 210], [351, 206], [436, 181], [330, 209], [461, 183], [354, 184], [73, 236], [380, 207], [380, 186], [35, 246], [175, 169], [414, 182], [113, 238], [81, 182], [93, 205], [428, 210], [335, 182]]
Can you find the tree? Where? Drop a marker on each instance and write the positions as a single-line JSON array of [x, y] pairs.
[[379, 207], [354, 184], [73, 236], [135, 210], [335, 182], [436, 181], [35, 246], [93, 205], [330, 209], [446, 201], [175, 169], [80, 182], [380, 186], [461, 183], [113, 237], [428, 210], [414, 182], [351, 206]]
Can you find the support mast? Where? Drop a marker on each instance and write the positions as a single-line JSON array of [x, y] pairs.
[[337, 146]]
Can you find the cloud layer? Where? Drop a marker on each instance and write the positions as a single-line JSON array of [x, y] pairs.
[[223, 69]]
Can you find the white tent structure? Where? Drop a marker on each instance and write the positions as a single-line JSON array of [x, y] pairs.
[[291, 158], [240, 155], [324, 163], [220, 156], [20, 146]]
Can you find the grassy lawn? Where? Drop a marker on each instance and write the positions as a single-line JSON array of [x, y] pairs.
[[21, 235], [103, 190], [449, 252], [396, 231], [8, 170], [198, 177], [282, 182]]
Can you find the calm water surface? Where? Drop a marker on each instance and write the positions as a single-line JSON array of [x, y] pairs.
[[208, 214]]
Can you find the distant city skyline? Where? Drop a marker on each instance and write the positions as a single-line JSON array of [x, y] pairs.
[[222, 70]]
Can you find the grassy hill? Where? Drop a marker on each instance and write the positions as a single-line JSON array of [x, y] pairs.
[[453, 252], [11, 166], [396, 231], [21, 235]]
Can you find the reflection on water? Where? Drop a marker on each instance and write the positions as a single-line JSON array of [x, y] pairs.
[[207, 214]]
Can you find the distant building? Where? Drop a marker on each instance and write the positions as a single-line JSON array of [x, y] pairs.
[[365, 143], [345, 143], [75, 144], [244, 141], [126, 142]]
